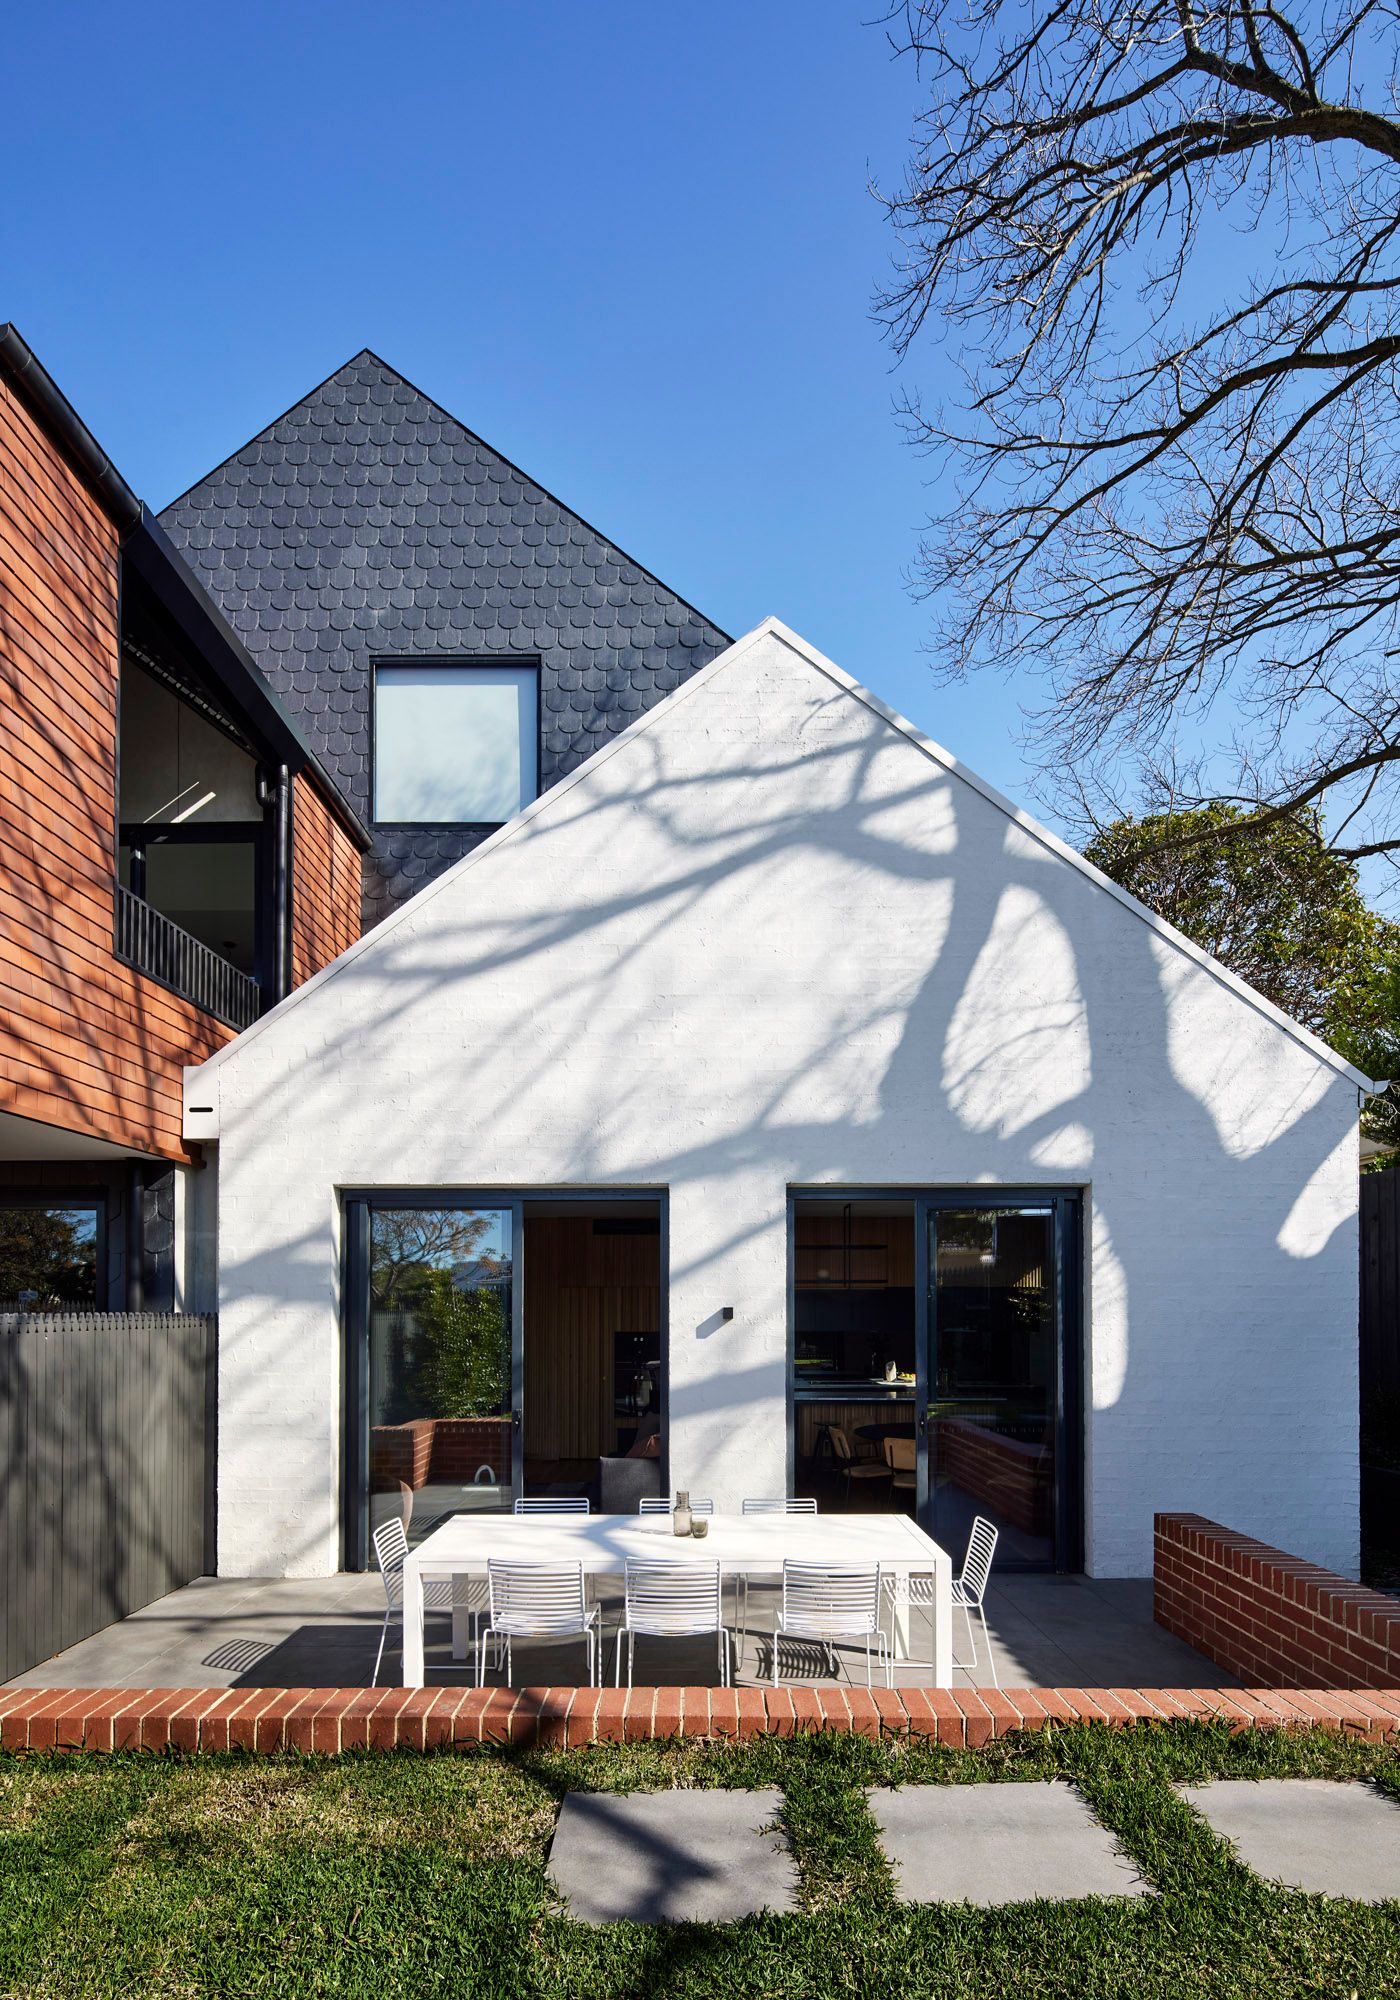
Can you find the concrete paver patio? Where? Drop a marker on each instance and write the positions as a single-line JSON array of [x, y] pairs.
[[993, 1844], [1315, 1834], [671, 1857], [323, 1631]]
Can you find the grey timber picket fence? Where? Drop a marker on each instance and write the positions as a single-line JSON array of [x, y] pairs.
[[106, 1465]]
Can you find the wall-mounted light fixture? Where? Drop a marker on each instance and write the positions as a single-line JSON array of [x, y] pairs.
[[726, 1312]]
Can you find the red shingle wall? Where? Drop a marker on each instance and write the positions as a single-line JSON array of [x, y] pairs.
[[85, 1042], [325, 884], [1267, 1617]]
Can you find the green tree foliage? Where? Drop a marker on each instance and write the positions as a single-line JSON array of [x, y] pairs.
[[430, 1268], [1275, 905], [49, 1252], [463, 1347]]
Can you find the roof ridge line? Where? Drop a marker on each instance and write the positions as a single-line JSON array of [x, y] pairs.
[[773, 627], [442, 410]]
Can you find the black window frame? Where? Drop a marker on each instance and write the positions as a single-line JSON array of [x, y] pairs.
[[528, 662], [355, 1207], [91, 1196], [1069, 1202]]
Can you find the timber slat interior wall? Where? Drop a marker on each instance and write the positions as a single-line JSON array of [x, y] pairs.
[[1380, 1281], [105, 1455], [580, 1289]]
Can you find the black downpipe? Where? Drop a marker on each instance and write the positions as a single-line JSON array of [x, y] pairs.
[[136, 1237], [282, 886]]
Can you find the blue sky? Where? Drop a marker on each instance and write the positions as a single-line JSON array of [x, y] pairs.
[[632, 246]]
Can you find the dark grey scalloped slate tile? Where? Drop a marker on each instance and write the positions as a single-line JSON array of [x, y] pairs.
[[368, 522]]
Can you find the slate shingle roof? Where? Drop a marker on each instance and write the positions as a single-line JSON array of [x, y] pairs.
[[368, 524]]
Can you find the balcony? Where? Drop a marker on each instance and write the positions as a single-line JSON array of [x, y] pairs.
[[152, 944]]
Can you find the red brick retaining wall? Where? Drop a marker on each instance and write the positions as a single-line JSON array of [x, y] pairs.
[[1266, 1616], [443, 1450], [1011, 1477], [334, 1719]]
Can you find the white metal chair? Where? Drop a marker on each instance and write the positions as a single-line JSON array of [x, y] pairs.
[[390, 1548], [652, 1503], [833, 1601], [792, 1504], [550, 1504], [537, 1601], [969, 1593], [672, 1600]]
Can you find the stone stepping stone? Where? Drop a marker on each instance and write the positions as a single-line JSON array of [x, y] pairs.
[[1323, 1835], [992, 1844], [671, 1857]]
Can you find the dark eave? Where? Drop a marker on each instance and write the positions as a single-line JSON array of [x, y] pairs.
[[148, 551], [67, 428], [152, 556]]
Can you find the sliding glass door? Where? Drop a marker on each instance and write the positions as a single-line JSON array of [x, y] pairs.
[[998, 1425], [433, 1365], [935, 1362]]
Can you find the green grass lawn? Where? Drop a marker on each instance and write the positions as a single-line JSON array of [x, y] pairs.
[[411, 1875]]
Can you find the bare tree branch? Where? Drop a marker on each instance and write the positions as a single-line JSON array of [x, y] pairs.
[[1174, 488]]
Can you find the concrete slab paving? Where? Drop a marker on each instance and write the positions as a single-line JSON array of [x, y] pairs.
[[1318, 1834], [993, 1844], [671, 1857], [315, 1631]]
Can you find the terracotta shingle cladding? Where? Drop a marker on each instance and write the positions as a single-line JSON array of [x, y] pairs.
[[85, 1043]]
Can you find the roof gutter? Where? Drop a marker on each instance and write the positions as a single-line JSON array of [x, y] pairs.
[[66, 427]]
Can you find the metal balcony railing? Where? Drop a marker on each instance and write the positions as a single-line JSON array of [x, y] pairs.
[[156, 946]]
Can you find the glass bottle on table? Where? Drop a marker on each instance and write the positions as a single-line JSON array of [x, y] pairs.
[[680, 1515]]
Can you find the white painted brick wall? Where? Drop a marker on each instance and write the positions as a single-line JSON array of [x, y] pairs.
[[772, 939]]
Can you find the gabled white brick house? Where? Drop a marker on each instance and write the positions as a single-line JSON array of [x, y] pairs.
[[772, 940]]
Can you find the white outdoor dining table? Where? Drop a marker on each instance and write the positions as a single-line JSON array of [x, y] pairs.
[[742, 1545]]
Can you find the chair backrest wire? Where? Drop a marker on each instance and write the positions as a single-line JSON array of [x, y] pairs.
[[831, 1597], [550, 1504], [653, 1503], [536, 1597], [390, 1548], [672, 1597], [977, 1563], [794, 1504]]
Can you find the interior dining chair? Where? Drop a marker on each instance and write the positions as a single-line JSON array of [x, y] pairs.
[[828, 1602], [853, 1468], [653, 1503], [528, 1600], [390, 1548], [552, 1504], [672, 1600], [969, 1594], [902, 1457]]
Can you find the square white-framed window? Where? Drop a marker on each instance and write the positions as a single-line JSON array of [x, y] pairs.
[[454, 744]]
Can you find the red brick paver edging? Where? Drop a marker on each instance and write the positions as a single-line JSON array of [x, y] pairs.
[[261, 1720]]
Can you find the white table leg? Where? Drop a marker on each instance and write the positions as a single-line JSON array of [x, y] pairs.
[[461, 1614], [898, 1634], [412, 1626], [943, 1621]]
